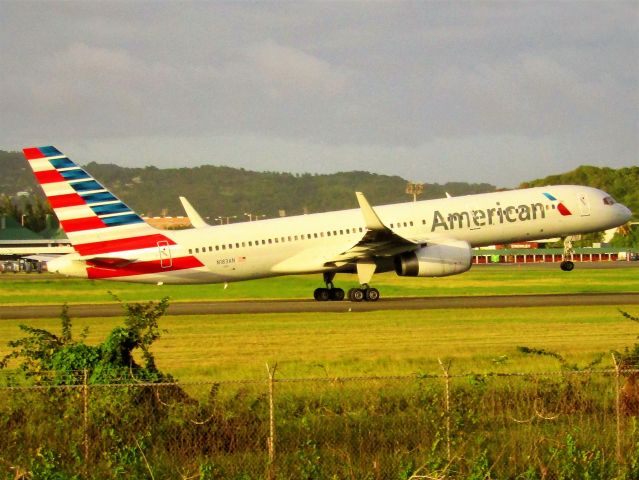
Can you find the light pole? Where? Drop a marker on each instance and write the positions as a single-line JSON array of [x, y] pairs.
[[253, 216], [414, 189], [224, 217]]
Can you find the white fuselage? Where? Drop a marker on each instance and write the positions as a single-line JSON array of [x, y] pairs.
[[312, 243]]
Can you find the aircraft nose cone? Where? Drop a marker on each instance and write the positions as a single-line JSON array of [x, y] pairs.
[[625, 213]]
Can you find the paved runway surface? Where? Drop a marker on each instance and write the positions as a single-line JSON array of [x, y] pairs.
[[298, 306]]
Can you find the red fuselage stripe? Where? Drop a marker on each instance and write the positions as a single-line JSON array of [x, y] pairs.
[[143, 268], [122, 244]]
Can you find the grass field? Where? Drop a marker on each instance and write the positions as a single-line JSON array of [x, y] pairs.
[[205, 348], [484, 280], [350, 343]]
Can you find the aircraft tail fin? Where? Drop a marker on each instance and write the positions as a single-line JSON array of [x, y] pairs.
[[90, 215]]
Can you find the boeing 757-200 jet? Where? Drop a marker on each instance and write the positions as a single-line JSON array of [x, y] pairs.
[[429, 238]]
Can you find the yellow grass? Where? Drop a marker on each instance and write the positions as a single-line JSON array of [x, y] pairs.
[[371, 343]]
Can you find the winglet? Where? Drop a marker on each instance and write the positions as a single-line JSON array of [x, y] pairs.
[[194, 217], [370, 217]]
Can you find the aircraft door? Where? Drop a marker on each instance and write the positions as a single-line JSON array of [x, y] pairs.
[[584, 205], [165, 254]]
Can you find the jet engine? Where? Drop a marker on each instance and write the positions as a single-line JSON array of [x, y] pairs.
[[435, 260]]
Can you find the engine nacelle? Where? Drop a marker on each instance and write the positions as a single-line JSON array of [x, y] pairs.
[[437, 260]]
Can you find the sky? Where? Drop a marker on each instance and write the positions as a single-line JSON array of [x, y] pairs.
[[497, 92]]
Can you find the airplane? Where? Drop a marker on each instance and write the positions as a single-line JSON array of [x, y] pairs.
[[428, 238]]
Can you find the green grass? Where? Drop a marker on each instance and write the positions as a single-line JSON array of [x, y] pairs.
[[503, 280], [219, 347]]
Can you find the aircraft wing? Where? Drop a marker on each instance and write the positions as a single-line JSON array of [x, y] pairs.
[[378, 241]]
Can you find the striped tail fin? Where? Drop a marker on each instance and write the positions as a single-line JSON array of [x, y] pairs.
[[94, 219]]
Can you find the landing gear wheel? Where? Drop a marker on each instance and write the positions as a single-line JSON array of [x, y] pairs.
[[371, 294], [567, 266], [336, 294], [322, 294], [356, 295]]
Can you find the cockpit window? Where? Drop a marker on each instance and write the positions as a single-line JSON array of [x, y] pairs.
[[609, 201]]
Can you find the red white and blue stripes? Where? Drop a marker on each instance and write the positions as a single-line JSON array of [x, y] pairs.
[[79, 201], [99, 225]]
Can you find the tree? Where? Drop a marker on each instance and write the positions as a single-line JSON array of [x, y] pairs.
[[48, 357]]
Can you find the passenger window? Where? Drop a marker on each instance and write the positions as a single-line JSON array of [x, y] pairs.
[[190, 251], [230, 246], [197, 250], [223, 247], [217, 247]]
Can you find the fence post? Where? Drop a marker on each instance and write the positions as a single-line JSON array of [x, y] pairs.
[[617, 404], [446, 369], [85, 395], [271, 405]]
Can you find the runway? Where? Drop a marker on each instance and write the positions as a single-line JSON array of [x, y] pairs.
[[311, 306]]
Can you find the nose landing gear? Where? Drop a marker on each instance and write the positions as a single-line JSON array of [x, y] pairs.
[[567, 265]]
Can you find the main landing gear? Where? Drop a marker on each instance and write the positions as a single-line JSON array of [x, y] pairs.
[[364, 293], [330, 292]]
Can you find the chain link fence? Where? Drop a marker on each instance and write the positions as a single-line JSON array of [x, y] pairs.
[[581, 424]]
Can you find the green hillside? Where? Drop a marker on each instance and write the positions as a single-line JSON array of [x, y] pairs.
[[225, 191], [216, 191]]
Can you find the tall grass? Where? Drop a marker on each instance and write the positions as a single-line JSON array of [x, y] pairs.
[[550, 426]]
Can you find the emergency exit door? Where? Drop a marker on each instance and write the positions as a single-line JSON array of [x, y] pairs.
[[165, 254], [584, 205]]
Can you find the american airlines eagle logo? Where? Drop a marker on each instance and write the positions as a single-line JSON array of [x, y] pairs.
[[560, 206]]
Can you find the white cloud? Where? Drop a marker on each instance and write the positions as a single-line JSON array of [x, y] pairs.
[[282, 70]]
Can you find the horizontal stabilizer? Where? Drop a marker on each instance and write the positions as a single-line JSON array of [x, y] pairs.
[[108, 262]]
